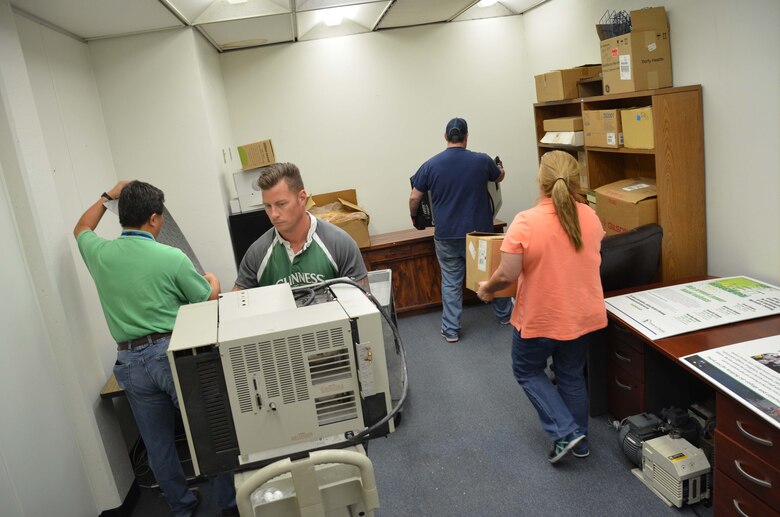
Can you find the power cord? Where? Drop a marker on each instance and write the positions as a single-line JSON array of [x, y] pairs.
[[366, 433]]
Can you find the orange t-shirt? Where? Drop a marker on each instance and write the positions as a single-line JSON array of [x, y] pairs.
[[559, 292]]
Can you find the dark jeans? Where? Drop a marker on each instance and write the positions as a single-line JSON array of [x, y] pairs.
[[145, 375], [562, 407]]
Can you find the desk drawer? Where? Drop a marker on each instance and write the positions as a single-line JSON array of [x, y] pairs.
[[626, 351], [626, 358], [625, 393], [748, 430], [749, 471], [733, 500]]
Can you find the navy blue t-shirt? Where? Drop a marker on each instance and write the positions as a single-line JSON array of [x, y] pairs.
[[457, 179]]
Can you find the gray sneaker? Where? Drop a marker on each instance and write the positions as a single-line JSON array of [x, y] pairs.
[[581, 450], [563, 446]]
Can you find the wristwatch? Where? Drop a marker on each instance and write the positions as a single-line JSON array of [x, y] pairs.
[[105, 195]]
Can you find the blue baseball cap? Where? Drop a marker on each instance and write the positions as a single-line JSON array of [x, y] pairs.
[[456, 127]]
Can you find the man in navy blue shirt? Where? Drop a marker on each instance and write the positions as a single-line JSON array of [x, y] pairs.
[[457, 181]]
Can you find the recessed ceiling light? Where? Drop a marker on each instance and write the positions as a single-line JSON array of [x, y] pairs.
[[332, 19], [486, 3], [234, 2]]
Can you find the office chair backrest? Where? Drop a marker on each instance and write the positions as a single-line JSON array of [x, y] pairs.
[[630, 259]]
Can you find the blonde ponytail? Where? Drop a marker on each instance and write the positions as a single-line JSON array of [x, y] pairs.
[[558, 179]]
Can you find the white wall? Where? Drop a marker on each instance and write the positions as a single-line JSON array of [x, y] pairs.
[[61, 450], [159, 97], [361, 111], [730, 48], [366, 111]]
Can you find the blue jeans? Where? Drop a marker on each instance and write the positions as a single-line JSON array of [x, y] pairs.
[[452, 263], [145, 375], [563, 407]]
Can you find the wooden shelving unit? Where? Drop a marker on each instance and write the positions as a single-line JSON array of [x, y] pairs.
[[676, 163]]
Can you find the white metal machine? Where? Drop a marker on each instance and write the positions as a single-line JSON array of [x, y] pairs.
[[675, 470], [261, 377]]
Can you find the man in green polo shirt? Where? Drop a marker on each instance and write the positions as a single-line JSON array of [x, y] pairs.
[[141, 284], [300, 249]]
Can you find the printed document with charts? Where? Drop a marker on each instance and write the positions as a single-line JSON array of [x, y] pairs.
[[749, 371], [676, 309]]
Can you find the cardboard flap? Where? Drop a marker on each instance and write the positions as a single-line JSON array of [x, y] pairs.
[[631, 190], [649, 19], [331, 197], [353, 207]]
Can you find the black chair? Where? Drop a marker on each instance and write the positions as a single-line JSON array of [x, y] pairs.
[[628, 259], [631, 259]]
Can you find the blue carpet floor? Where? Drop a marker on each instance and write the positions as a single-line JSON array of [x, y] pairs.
[[470, 444]]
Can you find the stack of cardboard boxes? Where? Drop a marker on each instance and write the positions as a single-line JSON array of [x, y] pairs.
[[636, 61]]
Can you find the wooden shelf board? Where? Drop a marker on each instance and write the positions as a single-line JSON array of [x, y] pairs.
[[562, 146], [621, 150]]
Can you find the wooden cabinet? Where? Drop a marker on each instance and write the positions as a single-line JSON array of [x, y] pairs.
[[676, 163], [625, 373], [747, 477], [411, 256]]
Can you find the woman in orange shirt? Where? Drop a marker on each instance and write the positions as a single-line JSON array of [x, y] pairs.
[[553, 250]]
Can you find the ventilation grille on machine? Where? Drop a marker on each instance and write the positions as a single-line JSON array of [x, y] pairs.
[[667, 481], [329, 366], [336, 408], [217, 411], [281, 363]]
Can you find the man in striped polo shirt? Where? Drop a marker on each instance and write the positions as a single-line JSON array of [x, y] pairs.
[[300, 249]]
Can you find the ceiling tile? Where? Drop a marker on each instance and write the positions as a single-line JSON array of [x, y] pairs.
[[416, 12], [101, 18], [309, 5], [250, 32], [477, 12], [189, 9], [355, 20], [221, 10]]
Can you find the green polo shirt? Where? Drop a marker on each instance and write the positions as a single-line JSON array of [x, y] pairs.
[[141, 283]]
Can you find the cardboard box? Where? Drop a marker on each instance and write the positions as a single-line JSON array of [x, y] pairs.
[[642, 59], [257, 154], [350, 217], [563, 138], [562, 84], [637, 126], [627, 204], [602, 128], [563, 124], [483, 255]]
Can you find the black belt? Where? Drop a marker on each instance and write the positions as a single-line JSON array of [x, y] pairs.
[[146, 340]]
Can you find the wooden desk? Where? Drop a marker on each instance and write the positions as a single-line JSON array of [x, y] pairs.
[[646, 375], [111, 389], [411, 256]]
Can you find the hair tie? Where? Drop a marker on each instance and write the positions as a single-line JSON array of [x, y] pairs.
[[556, 179]]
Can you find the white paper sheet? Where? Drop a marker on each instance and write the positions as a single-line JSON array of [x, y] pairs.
[[676, 309], [749, 371]]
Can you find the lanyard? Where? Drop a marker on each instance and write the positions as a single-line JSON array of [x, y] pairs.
[[130, 233]]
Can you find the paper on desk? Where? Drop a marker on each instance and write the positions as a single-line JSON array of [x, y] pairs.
[[749, 371], [676, 309]]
